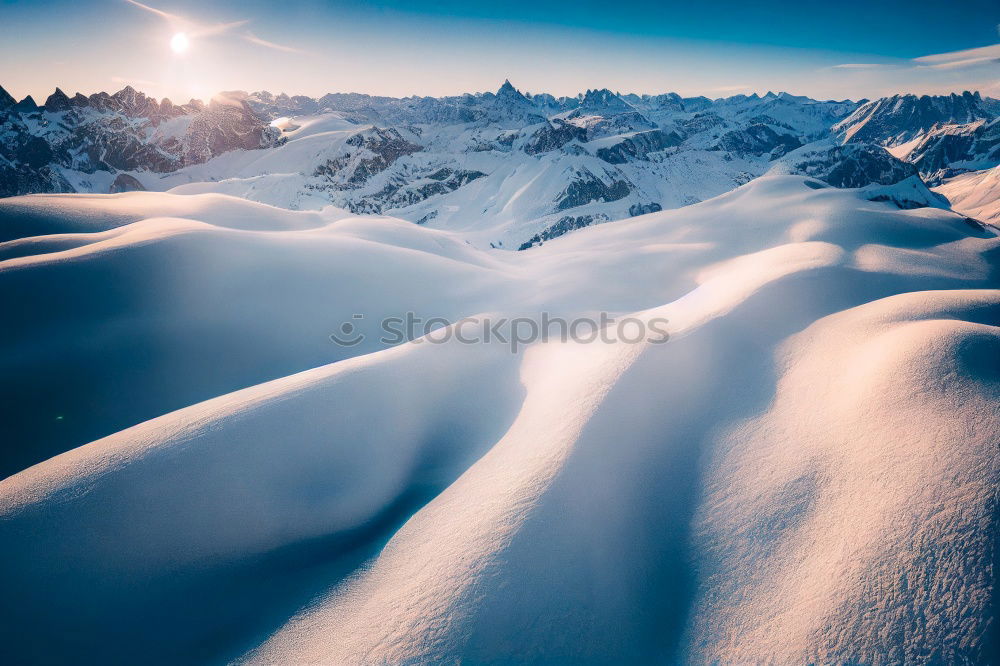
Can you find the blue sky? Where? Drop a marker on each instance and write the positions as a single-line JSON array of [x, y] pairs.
[[830, 50]]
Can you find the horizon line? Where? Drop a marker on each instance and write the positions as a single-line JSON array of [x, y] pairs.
[[751, 94]]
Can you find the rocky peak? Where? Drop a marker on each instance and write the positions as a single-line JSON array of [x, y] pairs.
[[57, 101], [510, 104], [6, 101], [507, 89], [102, 101], [508, 93], [126, 94], [134, 103], [604, 101], [26, 105]]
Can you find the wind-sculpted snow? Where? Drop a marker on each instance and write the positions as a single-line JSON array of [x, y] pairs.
[[804, 472]]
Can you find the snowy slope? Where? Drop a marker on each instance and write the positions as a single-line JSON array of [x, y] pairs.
[[804, 472], [976, 193]]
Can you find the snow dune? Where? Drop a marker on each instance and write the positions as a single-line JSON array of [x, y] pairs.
[[804, 472]]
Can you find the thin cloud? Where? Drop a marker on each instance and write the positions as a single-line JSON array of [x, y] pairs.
[[860, 65], [186, 25], [957, 64], [159, 12], [959, 59], [217, 29], [138, 82], [254, 39]]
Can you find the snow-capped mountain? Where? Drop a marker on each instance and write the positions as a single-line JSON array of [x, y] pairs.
[[508, 169], [948, 149], [900, 118], [73, 144], [946, 138]]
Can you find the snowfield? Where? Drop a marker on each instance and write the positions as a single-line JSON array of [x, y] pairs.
[[806, 471], [975, 193]]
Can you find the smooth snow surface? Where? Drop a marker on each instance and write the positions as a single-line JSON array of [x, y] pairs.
[[976, 194], [805, 472]]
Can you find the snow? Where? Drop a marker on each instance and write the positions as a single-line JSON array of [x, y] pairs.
[[804, 472], [518, 195], [976, 194], [903, 150]]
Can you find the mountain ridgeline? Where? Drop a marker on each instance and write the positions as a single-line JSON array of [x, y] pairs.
[[511, 168]]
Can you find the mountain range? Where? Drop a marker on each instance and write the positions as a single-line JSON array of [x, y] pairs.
[[508, 169]]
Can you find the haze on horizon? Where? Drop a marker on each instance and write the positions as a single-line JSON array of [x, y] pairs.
[[182, 49]]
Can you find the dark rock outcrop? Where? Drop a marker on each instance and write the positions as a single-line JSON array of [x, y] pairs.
[[563, 226], [587, 188], [553, 136], [757, 139], [6, 101], [644, 209], [369, 152], [125, 183], [639, 146], [57, 101], [849, 165]]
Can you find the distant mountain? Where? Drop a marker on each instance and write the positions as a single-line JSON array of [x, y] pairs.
[[80, 143], [895, 120], [509, 167], [945, 150], [943, 137]]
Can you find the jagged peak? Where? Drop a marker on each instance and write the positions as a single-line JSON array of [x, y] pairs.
[[57, 101], [27, 104], [965, 94], [601, 96], [509, 92], [6, 100], [128, 95]]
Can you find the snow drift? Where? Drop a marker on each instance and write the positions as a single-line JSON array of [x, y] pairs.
[[805, 472]]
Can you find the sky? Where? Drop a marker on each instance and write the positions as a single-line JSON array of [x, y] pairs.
[[829, 50]]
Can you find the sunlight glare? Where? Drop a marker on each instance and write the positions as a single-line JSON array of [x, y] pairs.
[[179, 43]]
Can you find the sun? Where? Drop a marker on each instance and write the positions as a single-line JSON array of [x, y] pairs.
[[179, 43]]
